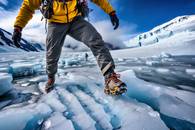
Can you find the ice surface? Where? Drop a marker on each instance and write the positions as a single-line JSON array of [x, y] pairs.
[[29, 117], [5, 83], [96, 110], [78, 102], [52, 100], [122, 108]]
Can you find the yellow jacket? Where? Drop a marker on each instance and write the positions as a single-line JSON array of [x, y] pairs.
[[61, 14]]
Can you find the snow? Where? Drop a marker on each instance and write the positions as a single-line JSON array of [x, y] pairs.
[[181, 43], [5, 83], [182, 24]]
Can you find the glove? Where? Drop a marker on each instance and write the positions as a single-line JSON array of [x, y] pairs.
[[16, 37], [114, 19]]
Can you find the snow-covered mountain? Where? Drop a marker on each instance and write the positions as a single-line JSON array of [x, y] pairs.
[[6, 44], [181, 24]]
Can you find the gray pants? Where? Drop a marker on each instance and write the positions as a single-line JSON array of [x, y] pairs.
[[80, 30]]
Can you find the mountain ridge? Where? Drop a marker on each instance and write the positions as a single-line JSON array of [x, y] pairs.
[[6, 44]]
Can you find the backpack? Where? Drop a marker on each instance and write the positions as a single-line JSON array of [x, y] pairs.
[[46, 8]]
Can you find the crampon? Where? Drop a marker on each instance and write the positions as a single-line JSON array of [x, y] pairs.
[[114, 86]]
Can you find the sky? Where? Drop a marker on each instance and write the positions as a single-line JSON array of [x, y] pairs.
[[136, 16], [146, 14]]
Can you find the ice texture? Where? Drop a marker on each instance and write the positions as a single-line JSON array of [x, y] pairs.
[[28, 117]]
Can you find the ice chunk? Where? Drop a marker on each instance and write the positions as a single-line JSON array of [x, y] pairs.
[[5, 83], [24, 69], [57, 122], [159, 97], [72, 62], [26, 118]]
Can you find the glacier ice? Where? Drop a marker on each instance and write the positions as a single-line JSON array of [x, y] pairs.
[[28, 117], [78, 101], [168, 101]]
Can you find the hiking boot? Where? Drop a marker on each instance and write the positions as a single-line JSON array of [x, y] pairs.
[[49, 85], [114, 86]]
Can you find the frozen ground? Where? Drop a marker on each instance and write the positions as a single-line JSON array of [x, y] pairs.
[[161, 93]]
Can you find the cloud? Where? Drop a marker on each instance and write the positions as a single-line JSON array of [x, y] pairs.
[[35, 29], [7, 19], [113, 36], [4, 2]]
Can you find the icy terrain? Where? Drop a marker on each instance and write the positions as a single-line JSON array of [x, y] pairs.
[[161, 94]]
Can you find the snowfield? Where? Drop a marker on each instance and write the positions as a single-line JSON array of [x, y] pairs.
[[180, 25], [160, 78]]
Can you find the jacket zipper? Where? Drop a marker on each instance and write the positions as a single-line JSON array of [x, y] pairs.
[[67, 12]]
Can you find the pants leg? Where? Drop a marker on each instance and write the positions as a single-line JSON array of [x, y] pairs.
[[83, 31], [54, 42]]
